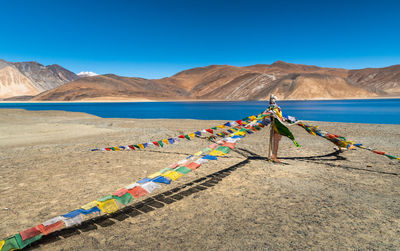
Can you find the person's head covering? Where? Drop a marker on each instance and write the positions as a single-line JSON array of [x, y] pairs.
[[272, 99]]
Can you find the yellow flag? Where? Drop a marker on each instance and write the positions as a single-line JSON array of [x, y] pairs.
[[165, 141], [252, 117], [192, 135], [108, 206], [217, 153], [117, 149], [198, 153], [2, 244], [173, 175], [152, 176], [89, 205], [221, 126], [141, 146]]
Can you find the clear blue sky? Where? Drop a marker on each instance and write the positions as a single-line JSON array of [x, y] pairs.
[[155, 39]]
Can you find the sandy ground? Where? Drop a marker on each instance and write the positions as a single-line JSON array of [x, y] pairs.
[[317, 200]]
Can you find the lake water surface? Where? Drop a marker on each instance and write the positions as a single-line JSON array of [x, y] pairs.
[[378, 111]]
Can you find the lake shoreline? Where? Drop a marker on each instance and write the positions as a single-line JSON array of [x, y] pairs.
[[184, 100]]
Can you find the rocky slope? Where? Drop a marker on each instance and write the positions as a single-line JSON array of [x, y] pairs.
[[31, 78], [110, 86], [384, 81]]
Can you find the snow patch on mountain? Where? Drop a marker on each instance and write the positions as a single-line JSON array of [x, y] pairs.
[[87, 74]]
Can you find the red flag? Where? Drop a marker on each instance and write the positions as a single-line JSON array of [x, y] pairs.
[[181, 136], [209, 130], [108, 149], [378, 152], [131, 147], [239, 122], [156, 143]]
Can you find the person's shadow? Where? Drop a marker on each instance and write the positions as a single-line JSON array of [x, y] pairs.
[[180, 192]]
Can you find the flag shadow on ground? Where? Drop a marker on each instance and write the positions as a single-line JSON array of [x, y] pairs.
[[142, 207]]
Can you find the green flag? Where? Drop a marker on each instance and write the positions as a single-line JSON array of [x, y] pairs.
[[283, 130]]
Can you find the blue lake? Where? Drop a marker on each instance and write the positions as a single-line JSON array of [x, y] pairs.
[[378, 111]]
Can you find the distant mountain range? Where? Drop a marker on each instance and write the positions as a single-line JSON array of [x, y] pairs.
[[31, 78], [215, 82]]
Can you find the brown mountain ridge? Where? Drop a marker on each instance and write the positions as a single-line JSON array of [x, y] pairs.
[[225, 82]]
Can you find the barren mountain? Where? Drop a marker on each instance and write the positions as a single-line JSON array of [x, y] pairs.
[[45, 77], [383, 81], [110, 86], [224, 82], [31, 78]]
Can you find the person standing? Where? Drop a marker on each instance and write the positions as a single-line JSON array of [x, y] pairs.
[[278, 129]]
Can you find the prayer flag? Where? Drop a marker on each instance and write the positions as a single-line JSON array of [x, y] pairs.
[[227, 124], [50, 228], [197, 133], [11, 244], [105, 198], [183, 170], [209, 130], [191, 135], [144, 180], [171, 140], [72, 214], [108, 206], [173, 175], [217, 153], [141, 146], [124, 199], [137, 192], [213, 146], [69, 222], [221, 126], [181, 136], [209, 157], [230, 145], [145, 145], [120, 192], [201, 161], [162, 179], [193, 165], [92, 210], [136, 146], [156, 143], [160, 143], [283, 130], [214, 128], [187, 137], [165, 141], [29, 233], [150, 186], [24, 243]]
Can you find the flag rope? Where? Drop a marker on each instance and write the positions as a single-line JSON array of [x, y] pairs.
[[124, 196]]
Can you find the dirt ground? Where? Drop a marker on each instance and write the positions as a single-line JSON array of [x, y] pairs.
[[319, 199]]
